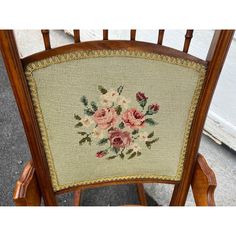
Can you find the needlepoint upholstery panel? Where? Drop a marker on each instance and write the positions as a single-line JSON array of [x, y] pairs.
[[112, 115]]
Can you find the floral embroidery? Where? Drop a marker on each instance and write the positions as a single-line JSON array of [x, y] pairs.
[[117, 128]]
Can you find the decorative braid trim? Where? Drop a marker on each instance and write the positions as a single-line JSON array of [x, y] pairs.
[[30, 68]]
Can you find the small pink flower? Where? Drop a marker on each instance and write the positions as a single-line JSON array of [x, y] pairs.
[[141, 96], [105, 117], [101, 154], [153, 108], [119, 139], [133, 118]]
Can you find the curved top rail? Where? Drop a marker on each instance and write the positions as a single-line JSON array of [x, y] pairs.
[[112, 45]]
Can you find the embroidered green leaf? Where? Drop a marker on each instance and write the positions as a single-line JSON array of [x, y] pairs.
[[119, 90], [151, 135], [139, 154], [129, 151], [116, 150], [102, 141], [78, 125], [132, 155], [154, 140], [111, 157], [135, 131], [83, 140], [110, 129], [149, 143], [142, 103], [89, 140], [77, 117], [82, 133], [150, 121], [121, 125], [101, 89], [84, 100], [118, 110], [122, 155], [94, 106], [88, 112]]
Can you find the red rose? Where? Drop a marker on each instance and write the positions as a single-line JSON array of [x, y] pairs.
[[101, 154], [133, 118], [152, 109], [119, 139], [141, 96]]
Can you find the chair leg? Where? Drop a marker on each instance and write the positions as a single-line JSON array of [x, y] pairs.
[[141, 194], [77, 197], [203, 183]]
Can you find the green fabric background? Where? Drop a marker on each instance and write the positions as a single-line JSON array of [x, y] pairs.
[[61, 86]]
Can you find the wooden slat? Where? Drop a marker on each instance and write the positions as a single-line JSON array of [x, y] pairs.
[[160, 37], [46, 39], [141, 194], [105, 34], [188, 37], [132, 35], [77, 36], [77, 197]]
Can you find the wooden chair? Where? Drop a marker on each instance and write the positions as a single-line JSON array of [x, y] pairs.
[[114, 112]]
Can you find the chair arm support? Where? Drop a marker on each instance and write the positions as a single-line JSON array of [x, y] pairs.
[[27, 192], [203, 183]]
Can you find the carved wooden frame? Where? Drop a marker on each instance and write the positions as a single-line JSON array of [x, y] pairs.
[[193, 163]]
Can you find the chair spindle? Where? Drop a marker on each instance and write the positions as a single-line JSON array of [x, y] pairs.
[[160, 37], [132, 35], [188, 37], [77, 36], [105, 34], [46, 39]]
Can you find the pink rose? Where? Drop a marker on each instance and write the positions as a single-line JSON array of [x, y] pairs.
[[105, 117], [133, 118], [141, 96], [119, 139], [153, 109], [101, 154]]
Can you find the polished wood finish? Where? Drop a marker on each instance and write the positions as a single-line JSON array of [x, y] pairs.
[[105, 34], [77, 36], [46, 39], [27, 191], [18, 82], [132, 35], [160, 37], [203, 183], [141, 195], [214, 62], [188, 38], [112, 45], [77, 197], [216, 57]]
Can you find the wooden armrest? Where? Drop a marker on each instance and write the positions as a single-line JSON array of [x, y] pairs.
[[203, 183], [26, 192]]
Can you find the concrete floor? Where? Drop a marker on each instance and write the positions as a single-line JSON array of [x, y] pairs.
[[14, 153]]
